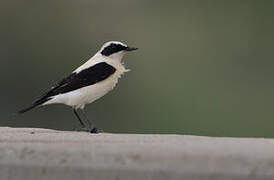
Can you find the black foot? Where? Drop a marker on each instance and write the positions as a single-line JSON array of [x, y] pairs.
[[94, 130], [91, 130]]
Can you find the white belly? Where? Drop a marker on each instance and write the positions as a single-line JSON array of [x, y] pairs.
[[80, 97]]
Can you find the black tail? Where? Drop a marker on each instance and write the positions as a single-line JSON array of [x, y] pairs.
[[34, 105], [27, 109]]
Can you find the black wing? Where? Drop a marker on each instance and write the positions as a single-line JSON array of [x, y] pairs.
[[86, 77]]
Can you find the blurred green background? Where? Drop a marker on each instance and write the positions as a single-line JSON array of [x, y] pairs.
[[203, 67]]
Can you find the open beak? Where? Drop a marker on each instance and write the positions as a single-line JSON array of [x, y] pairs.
[[131, 48]]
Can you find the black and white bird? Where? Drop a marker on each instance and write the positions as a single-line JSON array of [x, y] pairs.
[[89, 82]]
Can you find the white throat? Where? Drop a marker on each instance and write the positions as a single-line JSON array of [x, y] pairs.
[[116, 57]]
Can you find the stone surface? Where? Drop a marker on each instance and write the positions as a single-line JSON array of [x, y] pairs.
[[48, 154]]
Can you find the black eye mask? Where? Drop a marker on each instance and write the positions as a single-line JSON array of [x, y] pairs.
[[113, 48]]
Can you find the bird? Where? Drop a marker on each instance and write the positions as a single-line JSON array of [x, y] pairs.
[[89, 82]]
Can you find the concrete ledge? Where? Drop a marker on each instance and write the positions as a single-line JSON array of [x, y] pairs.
[[48, 154]]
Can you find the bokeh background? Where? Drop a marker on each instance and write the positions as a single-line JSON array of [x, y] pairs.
[[203, 67]]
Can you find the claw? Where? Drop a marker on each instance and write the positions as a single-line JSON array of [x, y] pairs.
[[96, 131], [87, 129]]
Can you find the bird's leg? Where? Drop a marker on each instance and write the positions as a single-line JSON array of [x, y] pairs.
[[78, 117], [91, 125]]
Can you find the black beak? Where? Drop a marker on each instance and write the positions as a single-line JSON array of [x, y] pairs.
[[131, 48]]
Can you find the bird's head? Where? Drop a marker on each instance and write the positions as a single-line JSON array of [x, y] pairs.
[[115, 50]]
